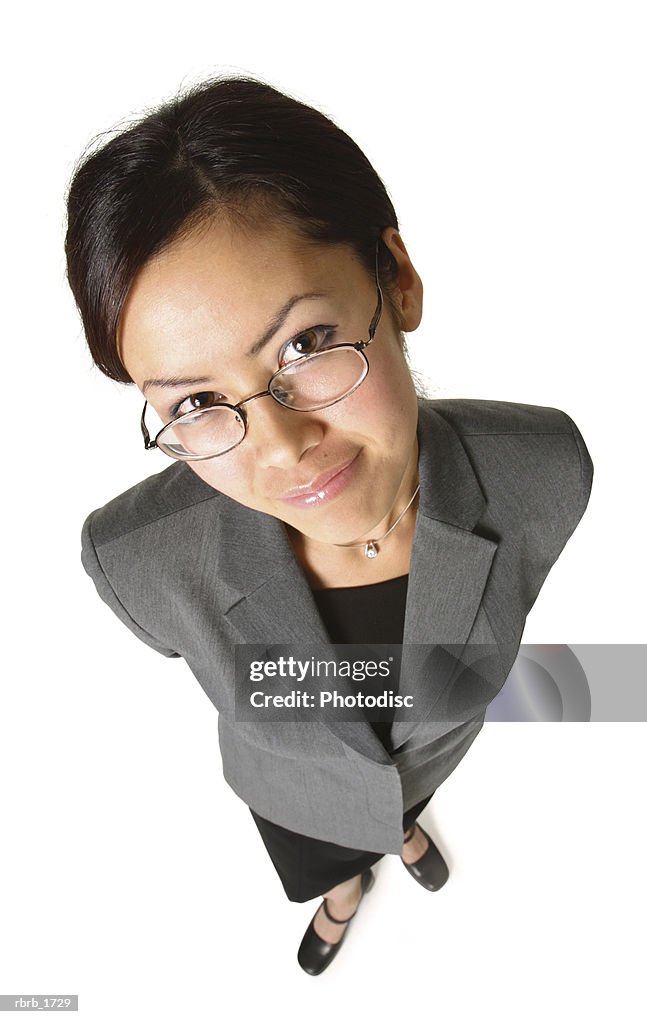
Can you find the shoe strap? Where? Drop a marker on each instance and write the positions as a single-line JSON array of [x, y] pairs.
[[409, 838], [334, 919]]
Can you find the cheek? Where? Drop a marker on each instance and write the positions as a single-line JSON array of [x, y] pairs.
[[226, 474], [386, 402]]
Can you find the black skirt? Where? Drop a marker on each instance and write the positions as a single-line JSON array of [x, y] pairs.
[[309, 867]]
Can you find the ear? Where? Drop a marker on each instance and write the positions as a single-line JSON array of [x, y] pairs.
[[408, 284]]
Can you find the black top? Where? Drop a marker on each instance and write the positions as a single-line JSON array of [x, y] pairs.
[[372, 614]]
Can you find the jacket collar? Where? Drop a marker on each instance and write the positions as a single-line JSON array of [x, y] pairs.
[[272, 604]]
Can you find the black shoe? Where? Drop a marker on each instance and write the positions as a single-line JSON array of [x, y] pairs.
[[314, 952], [430, 869]]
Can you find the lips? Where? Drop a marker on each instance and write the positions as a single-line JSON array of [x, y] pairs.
[[316, 485]]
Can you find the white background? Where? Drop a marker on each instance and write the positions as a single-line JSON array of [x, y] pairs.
[[511, 137]]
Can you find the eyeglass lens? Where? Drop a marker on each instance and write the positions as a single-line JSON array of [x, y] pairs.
[[305, 385]]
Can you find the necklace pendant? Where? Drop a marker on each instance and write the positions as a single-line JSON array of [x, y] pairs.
[[370, 550]]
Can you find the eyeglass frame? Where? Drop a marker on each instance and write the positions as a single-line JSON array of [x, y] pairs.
[[359, 346]]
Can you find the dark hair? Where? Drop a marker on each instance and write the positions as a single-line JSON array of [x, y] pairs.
[[232, 146]]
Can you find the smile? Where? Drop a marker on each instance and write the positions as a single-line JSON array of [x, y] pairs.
[[327, 491]]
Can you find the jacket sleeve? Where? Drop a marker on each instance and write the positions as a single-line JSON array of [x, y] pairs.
[[92, 565], [567, 482], [586, 468]]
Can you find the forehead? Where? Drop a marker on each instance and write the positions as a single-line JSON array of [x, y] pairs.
[[221, 282]]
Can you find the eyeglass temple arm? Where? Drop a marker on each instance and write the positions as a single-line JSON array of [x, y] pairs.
[[148, 444], [378, 310]]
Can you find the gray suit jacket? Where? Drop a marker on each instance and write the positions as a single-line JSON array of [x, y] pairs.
[[194, 574]]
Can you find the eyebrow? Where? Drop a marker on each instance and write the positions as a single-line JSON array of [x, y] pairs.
[[271, 329]]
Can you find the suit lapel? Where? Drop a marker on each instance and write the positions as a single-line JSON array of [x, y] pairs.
[[450, 566], [280, 614], [272, 604]]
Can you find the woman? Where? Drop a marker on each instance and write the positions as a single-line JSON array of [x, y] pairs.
[[235, 255]]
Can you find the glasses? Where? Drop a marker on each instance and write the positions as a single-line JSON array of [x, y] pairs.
[[311, 382]]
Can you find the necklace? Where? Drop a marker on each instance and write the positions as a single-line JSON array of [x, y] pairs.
[[370, 547]]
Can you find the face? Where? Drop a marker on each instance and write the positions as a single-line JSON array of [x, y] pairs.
[[195, 311]]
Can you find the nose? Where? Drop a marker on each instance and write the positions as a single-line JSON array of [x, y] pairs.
[[280, 436]]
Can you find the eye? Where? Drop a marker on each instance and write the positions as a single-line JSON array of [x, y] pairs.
[[200, 400], [307, 342]]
